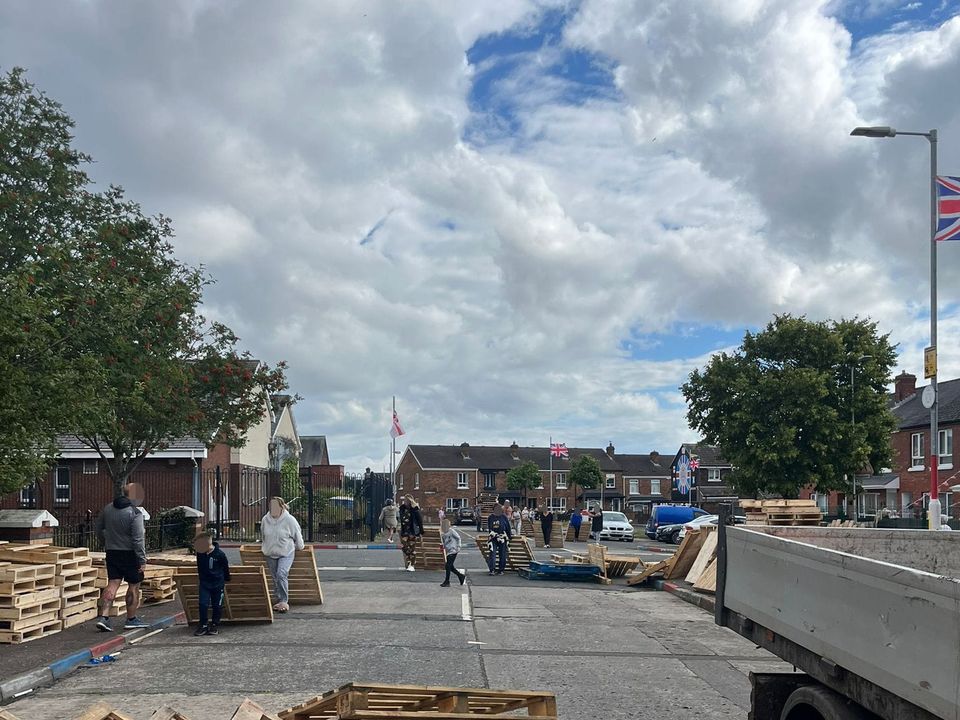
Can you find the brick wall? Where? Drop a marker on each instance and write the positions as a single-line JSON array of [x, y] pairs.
[[917, 482]]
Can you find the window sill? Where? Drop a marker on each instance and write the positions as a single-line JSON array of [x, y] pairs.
[[916, 468], [945, 466]]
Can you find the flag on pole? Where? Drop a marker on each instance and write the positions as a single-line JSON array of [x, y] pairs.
[[396, 431], [559, 450], [948, 208]]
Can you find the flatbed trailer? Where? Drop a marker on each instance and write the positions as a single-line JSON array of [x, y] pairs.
[[870, 618]]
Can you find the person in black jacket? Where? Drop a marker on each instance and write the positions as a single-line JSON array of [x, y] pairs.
[[411, 528], [596, 523], [498, 541], [546, 525], [214, 571]]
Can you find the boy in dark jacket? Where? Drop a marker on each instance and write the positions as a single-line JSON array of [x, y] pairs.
[[214, 571]]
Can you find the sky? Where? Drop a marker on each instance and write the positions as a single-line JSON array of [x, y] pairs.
[[523, 218]]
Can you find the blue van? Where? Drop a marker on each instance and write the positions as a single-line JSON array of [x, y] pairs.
[[670, 515]]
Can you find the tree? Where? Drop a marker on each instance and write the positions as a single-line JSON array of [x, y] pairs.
[[524, 477], [780, 405], [585, 472]]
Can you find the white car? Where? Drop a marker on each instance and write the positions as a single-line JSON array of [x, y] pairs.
[[696, 523], [616, 527]]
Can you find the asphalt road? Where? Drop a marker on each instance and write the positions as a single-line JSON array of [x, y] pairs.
[[607, 651]]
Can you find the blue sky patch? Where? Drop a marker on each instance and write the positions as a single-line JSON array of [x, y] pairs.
[[864, 18], [683, 340]]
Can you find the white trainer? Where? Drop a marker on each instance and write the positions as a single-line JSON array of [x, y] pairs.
[[410, 568]]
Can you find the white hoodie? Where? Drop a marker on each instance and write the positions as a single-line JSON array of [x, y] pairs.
[[281, 535]]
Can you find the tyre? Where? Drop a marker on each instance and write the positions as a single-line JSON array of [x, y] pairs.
[[816, 702], [675, 537], [630, 539]]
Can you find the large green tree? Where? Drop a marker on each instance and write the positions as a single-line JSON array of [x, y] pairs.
[[524, 477], [585, 472], [780, 405]]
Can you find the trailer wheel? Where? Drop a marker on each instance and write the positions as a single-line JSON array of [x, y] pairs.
[[815, 702]]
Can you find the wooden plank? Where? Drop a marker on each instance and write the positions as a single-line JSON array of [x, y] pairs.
[[246, 596], [707, 552], [16, 637], [4, 715], [249, 710], [29, 598], [102, 711], [686, 554], [13, 572], [649, 571], [166, 712], [304, 578], [707, 582]]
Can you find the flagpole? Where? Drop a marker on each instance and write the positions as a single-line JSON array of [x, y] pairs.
[[550, 452], [393, 450]]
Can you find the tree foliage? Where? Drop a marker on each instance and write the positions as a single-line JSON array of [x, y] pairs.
[[780, 405], [524, 477], [585, 472]]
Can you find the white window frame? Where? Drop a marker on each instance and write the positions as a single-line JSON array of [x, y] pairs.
[[634, 486], [945, 500], [28, 495], [90, 467], [616, 505], [655, 486], [559, 504], [611, 481], [916, 451], [416, 481], [561, 481], [400, 481], [489, 485], [540, 485], [463, 481], [864, 507], [57, 486], [945, 449], [456, 503], [906, 500], [714, 475]]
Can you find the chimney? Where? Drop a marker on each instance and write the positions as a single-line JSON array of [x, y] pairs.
[[654, 457], [515, 451], [465, 450], [904, 385], [610, 450]]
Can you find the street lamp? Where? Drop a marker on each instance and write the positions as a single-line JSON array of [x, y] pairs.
[[931, 136], [853, 427]]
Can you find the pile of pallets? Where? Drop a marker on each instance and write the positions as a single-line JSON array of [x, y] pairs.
[[159, 585], [695, 561], [782, 512], [246, 598], [74, 575], [519, 554], [29, 602], [304, 578], [430, 552]]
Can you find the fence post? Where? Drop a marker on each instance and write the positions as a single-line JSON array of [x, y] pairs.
[[306, 479], [218, 499]]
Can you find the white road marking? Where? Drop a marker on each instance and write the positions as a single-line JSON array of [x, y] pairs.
[[465, 607]]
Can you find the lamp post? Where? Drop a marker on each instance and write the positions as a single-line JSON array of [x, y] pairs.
[[853, 426], [933, 514]]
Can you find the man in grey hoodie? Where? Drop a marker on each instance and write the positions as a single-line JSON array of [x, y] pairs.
[[120, 529]]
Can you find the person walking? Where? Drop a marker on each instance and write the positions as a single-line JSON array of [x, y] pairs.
[[120, 528], [546, 525], [213, 572], [281, 539], [517, 521], [498, 541], [596, 523], [576, 520], [411, 528], [451, 543], [388, 519]]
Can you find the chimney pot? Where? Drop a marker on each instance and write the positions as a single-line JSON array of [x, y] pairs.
[[904, 385], [654, 455], [611, 449], [465, 450], [515, 450]]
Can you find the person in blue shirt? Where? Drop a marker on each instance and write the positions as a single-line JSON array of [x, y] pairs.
[[576, 520], [213, 570]]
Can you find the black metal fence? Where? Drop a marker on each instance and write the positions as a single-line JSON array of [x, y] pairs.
[[166, 530]]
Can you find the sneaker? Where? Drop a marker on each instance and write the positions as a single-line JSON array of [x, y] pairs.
[[200, 631], [390, 540], [213, 630], [135, 623], [491, 573], [445, 583], [463, 578], [410, 568], [546, 546], [103, 625]]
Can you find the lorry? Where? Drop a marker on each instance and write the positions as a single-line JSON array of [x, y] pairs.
[[868, 617]]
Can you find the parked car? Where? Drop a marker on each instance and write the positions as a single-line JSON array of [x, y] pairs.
[[464, 516], [670, 515], [696, 524], [616, 527], [669, 533]]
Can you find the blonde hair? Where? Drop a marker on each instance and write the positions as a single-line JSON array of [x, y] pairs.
[[409, 499], [444, 526]]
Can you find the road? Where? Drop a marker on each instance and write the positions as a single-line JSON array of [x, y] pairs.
[[609, 652]]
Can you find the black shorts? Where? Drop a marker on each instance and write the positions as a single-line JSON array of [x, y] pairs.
[[124, 565]]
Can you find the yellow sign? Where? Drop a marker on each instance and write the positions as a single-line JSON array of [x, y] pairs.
[[929, 362]]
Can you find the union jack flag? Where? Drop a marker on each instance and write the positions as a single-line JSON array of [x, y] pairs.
[[559, 450], [948, 194], [694, 464]]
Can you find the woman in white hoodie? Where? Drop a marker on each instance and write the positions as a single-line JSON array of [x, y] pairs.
[[281, 539]]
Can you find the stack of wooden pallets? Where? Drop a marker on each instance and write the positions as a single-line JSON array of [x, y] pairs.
[[695, 561], [557, 534], [159, 585], [782, 512], [519, 554], [246, 596], [430, 553], [75, 576], [29, 602], [304, 579]]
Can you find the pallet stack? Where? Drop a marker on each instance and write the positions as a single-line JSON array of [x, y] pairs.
[[159, 585], [304, 579], [430, 553], [519, 554], [782, 512], [29, 602], [246, 598]]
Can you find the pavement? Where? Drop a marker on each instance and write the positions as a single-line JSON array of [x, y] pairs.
[[607, 651]]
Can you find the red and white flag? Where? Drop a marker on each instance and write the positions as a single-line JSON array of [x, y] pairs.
[[396, 431], [559, 450]]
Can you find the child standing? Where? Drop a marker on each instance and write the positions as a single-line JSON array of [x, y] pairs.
[[214, 571], [451, 543]]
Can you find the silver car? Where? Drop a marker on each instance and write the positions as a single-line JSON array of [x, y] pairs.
[[616, 527]]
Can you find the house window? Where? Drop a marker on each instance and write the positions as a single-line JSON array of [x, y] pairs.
[[540, 483], [61, 486], [916, 451], [611, 481], [945, 502], [28, 495], [634, 486], [616, 504], [945, 448], [489, 481], [713, 474], [561, 481], [416, 481], [463, 482], [869, 504], [90, 467], [456, 503], [655, 486], [400, 481], [823, 500], [906, 500], [559, 504]]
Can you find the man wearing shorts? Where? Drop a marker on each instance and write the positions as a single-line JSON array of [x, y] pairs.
[[120, 528]]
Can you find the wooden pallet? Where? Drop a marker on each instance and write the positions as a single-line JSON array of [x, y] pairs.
[[15, 572], [173, 559], [246, 596], [366, 702], [614, 566], [584, 532], [431, 554], [29, 598], [69, 558], [782, 512], [657, 568], [102, 711], [15, 637], [707, 582], [556, 535], [686, 554], [28, 611], [707, 553], [168, 713], [304, 580], [249, 710], [519, 554], [80, 618]]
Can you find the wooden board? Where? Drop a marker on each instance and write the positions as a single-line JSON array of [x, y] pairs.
[[519, 553], [32, 554], [707, 552], [304, 580], [430, 554], [102, 711], [167, 713], [361, 702], [648, 571], [249, 710], [614, 566], [246, 596], [29, 598], [686, 554], [557, 534], [16, 637], [4, 715], [707, 582], [15, 572]]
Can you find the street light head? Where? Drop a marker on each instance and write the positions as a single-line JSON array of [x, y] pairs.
[[877, 131]]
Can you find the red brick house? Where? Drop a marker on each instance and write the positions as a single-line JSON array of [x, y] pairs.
[[646, 480], [316, 458], [711, 485]]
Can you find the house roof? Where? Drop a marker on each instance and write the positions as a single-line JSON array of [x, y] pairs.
[[707, 455], [644, 465], [911, 413], [490, 457], [314, 450], [715, 492], [70, 446]]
